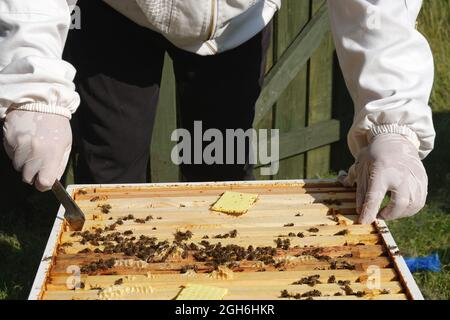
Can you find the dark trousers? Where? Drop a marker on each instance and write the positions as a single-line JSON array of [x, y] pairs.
[[119, 68]]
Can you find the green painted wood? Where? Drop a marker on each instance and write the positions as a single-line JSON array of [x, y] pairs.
[[290, 109], [303, 139], [320, 98], [162, 167], [292, 61], [267, 121]]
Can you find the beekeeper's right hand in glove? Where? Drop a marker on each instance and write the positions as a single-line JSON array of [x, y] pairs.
[[388, 68], [390, 163], [38, 144]]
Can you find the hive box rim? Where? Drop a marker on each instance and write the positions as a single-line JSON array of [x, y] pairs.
[[406, 278]]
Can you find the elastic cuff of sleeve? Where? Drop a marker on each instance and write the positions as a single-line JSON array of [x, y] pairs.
[[44, 108], [395, 129]]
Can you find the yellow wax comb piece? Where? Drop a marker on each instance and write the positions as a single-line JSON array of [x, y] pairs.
[[234, 203], [199, 292], [344, 221]]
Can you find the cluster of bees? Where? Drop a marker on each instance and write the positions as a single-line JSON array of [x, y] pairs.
[[231, 234], [143, 247], [99, 265], [292, 235], [308, 295], [334, 264], [299, 234], [129, 217], [149, 249], [216, 254], [183, 236], [283, 243], [310, 281], [313, 280]]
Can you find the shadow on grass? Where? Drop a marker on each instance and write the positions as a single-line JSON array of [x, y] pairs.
[[438, 163], [26, 217], [444, 255]]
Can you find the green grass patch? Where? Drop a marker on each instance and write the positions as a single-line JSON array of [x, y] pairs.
[[434, 23], [25, 225], [424, 234]]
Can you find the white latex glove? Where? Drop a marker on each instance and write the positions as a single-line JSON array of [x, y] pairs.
[[390, 163], [39, 145]]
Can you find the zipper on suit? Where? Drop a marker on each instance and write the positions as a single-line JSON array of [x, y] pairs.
[[213, 21]]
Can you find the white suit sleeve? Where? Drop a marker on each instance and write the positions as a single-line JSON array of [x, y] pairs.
[[33, 75], [388, 68]]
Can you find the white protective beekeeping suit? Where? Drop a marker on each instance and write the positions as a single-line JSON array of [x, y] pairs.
[[389, 71], [386, 62], [388, 68]]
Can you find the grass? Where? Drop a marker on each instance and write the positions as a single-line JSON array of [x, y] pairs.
[[27, 216], [24, 228], [426, 233]]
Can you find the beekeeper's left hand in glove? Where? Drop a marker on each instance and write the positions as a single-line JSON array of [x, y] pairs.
[[390, 163], [39, 145]]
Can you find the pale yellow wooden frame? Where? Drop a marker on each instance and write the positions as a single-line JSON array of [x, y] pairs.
[[405, 275]]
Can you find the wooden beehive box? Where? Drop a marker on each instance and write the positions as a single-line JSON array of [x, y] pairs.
[[306, 225]]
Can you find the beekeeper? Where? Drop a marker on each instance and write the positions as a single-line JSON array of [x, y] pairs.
[[219, 49]]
